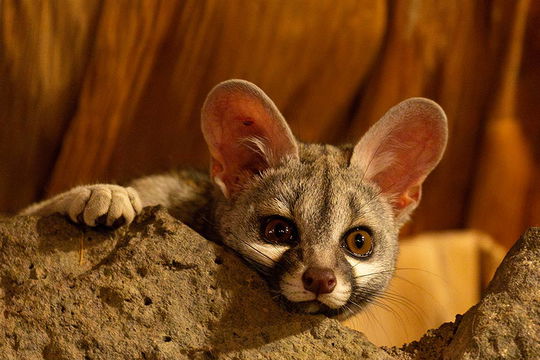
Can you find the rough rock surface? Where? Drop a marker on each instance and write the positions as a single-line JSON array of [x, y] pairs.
[[505, 324], [157, 290]]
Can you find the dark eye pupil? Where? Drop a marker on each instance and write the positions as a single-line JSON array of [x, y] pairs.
[[359, 240], [278, 230], [281, 230]]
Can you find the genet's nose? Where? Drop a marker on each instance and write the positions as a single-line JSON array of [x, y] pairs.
[[319, 280]]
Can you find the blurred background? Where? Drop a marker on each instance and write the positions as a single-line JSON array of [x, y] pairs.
[[94, 90]]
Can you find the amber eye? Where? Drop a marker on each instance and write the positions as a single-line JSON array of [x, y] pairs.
[[358, 242], [278, 230]]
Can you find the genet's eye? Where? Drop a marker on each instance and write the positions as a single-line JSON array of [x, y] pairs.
[[358, 242], [278, 230]]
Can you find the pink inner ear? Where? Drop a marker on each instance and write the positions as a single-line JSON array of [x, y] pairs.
[[413, 152], [402, 148], [235, 120], [244, 131], [238, 157]]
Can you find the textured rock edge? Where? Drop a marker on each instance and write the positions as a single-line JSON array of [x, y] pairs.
[[488, 330], [505, 324]]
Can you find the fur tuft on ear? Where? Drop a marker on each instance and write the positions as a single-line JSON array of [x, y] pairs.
[[401, 149], [245, 134]]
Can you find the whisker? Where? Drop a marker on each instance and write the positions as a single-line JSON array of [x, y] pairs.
[[407, 304], [396, 299], [387, 308], [343, 293], [421, 288], [373, 273], [423, 270], [370, 315]]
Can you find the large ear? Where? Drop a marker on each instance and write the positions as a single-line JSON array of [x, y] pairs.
[[245, 133], [400, 150]]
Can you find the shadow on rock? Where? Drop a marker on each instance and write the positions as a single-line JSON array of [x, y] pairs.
[[242, 325]]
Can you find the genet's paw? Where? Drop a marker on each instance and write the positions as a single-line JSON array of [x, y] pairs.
[[103, 204]]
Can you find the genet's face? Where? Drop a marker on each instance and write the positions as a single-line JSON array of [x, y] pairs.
[[325, 240]]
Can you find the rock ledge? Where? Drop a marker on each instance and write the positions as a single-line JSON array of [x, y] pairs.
[[158, 290]]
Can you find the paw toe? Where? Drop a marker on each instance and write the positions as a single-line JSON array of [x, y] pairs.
[[134, 199], [108, 205], [121, 207], [98, 205], [77, 204]]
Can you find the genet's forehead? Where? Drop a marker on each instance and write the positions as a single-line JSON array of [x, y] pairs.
[[319, 196]]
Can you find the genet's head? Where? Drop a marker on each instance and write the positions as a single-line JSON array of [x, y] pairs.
[[320, 222]]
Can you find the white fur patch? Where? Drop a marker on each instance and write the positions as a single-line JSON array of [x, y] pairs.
[[362, 270], [266, 254], [338, 297], [292, 287]]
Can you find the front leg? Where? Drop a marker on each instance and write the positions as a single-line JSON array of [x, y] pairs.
[[101, 204]]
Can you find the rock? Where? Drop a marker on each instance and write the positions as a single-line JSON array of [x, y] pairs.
[[156, 290], [505, 324]]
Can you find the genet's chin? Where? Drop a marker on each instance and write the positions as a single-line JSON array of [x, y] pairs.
[[313, 307]]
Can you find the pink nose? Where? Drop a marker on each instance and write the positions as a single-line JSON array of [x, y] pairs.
[[319, 280]]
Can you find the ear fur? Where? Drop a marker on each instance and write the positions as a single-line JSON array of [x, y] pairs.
[[401, 149], [245, 133]]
